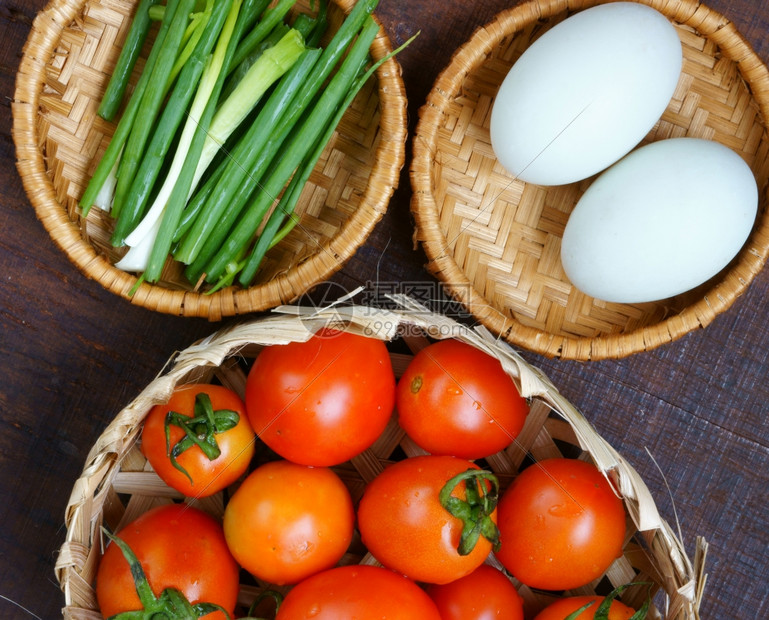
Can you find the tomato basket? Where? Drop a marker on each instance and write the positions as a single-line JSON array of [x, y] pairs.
[[66, 64], [117, 484]]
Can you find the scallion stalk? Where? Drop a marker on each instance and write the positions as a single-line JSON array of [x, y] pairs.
[[235, 195], [238, 74], [291, 157], [137, 34], [191, 38], [285, 208], [270, 66], [270, 18], [167, 125], [176, 187], [321, 24], [122, 131], [150, 106], [252, 10], [235, 170]]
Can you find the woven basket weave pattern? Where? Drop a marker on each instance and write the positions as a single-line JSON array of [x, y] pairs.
[[495, 241], [59, 138], [117, 484]]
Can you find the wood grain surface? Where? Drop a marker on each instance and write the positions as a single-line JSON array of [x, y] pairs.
[[690, 416]]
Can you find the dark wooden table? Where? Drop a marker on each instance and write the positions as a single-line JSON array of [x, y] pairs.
[[72, 354]]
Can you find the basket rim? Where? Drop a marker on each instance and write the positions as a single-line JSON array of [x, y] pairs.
[[734, 279], [683, 579], [285, 286]]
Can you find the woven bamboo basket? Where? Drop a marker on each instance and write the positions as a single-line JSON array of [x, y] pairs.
[[494, 241], [66, 64], [117, 484]]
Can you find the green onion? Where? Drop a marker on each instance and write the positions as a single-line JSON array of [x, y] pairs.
[[274, 63], [321, 24], [235, 193], [150, 106], [238, 74], [252, 10], [157, 12], [270, 66], [152, 231], [233, 109], [167, 124], [270, 19], [191, 38], [270, 235], [137, 34], [123, 130], [235, 169], [302, 139], [198, 201]]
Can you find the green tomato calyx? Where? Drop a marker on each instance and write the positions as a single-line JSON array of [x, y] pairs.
[[200, 430], [602, 611], [171, 604], [475, 510]]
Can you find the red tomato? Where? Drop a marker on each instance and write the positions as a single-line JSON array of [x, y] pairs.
[[204, 476], [404, 525], [176, 545], [323, 401], [484, 594], [357, 592], [561, 525], [563, 607], [456, 399], [289, 521]]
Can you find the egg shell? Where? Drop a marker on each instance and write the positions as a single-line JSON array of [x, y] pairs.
[[585, 93], [661, 221]]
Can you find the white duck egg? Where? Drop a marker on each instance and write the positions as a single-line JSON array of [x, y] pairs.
[[661, 221], [585, 93]]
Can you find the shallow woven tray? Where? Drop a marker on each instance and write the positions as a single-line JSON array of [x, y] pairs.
[[59, 138], [494, 242], [117, 484]]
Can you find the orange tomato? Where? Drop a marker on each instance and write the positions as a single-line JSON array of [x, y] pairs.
[[484, 594], [405, 526], [357, 592], [323, 401], [561, 608], [455, 399], [561, 525], [195, 473], [287, 521], [176, 545]]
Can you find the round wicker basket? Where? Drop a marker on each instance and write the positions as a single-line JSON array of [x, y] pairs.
[[59, 138], [494, 241], [117, 484]]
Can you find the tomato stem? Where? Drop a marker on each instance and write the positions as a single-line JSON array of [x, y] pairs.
[[576, 614], [602, 611], [170, 605], [475, 510], [200, 430], [273, 594]]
